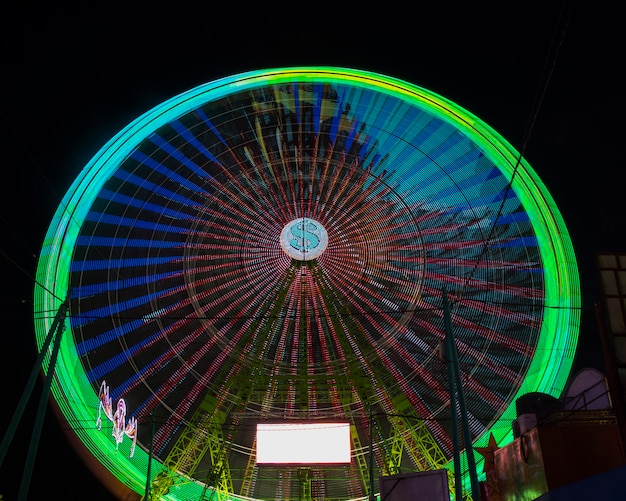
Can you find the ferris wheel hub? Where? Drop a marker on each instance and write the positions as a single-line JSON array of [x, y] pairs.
[[303, 239]]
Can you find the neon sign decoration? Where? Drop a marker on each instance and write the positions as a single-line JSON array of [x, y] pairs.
[[120, 426], [304, 239]]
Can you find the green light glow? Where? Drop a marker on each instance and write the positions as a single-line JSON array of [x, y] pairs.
[[71, 389]]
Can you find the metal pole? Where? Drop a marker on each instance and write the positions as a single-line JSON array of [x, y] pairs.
[[21, 406], [458, 483], [149, 473], [372, 497], [41, 411], [467, 438]]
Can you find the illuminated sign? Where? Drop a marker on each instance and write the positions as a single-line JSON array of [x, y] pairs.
[[118, 418], [303, 443], [304, 239]]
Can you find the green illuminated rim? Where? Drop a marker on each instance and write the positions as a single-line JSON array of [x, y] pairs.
[[75, 395]]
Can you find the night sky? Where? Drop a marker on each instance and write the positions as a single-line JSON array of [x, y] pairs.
[[550, 79]]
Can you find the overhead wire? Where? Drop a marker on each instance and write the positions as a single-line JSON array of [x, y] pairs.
[[17, 236], [549, 66]]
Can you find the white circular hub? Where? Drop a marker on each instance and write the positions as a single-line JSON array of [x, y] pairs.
[[303, 239]]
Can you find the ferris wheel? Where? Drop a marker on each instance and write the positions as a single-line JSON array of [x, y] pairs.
[[273, 247]]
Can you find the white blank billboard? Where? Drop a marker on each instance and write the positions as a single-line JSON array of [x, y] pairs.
[[303, 443]]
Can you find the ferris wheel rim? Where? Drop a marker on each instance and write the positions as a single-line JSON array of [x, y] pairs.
[[562, 308]]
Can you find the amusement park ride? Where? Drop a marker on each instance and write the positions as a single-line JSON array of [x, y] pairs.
[[302, 246]]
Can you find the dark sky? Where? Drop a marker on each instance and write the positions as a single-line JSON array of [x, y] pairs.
[[549, 78]]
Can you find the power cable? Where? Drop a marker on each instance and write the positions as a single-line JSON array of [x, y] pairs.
[[544, 81]]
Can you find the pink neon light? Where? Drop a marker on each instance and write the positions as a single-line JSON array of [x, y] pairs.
[[120, 426]]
